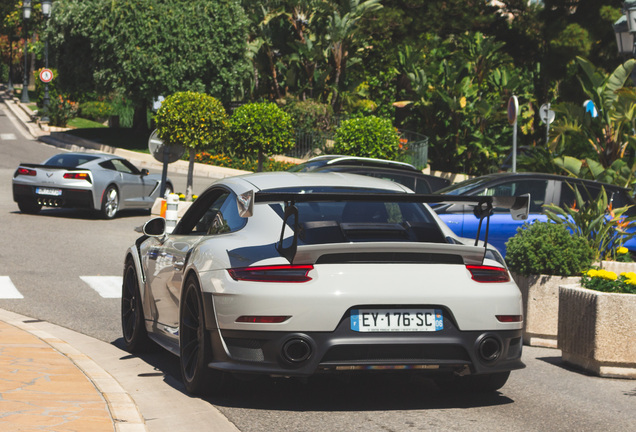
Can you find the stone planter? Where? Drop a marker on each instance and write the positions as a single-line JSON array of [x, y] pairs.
[[597, 331], [540, 295]]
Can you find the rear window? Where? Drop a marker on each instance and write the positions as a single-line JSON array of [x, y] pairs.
[[359, 221], [69, 160]]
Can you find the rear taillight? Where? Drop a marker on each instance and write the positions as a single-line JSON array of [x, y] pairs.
[[25, 171], [78, 176], [281, 273], [483, 273]]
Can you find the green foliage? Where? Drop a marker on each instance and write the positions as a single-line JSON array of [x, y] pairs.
[[607, 281], [367, 136], [142, 49], [60, 111], [261, 128], [608, 136], [460, 89], [95, 110], [594, 219], [309, 115], [195, 120], [547, 248]]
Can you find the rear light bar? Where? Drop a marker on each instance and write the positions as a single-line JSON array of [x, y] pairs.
[[262, 319], [484, 273], [25, 171], [279, 273], [78, 176]]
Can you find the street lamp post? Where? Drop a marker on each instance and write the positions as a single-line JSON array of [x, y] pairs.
[[10, 83], [46, 11], [26, 14]]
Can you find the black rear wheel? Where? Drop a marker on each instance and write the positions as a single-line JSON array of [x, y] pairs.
[[29, 207], [132, 314], [194, 345]]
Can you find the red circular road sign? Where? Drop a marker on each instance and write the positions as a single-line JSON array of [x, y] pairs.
[[513, 109], [46, 75]]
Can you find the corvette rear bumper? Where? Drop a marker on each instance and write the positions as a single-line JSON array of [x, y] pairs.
[[70, 198]]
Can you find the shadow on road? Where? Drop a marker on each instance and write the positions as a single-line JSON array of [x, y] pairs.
[[389, 391], [84, 214]]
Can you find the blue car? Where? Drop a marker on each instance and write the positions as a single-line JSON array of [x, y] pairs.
[[543, 189]]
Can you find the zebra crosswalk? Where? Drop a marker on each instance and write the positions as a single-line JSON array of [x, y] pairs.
[[105, 286]]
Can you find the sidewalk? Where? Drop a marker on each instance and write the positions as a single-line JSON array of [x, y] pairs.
[[46, 384]]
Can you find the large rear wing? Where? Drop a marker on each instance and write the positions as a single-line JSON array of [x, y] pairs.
[[482, 207]]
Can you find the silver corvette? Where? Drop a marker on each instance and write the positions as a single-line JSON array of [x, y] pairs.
[[297, 274], [103, 182]]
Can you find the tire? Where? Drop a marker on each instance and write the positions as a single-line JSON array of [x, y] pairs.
[[110, 202], [29, 207], [132, 314], [485, 383], [195, 351]]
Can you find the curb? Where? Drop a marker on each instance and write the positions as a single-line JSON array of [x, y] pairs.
[[123, 410]]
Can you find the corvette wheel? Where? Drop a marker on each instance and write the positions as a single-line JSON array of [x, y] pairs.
[[194, 345], [132, 314], [110, 203], [29, 207]]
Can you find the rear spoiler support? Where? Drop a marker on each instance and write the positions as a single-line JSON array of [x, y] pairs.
[[483, 207]]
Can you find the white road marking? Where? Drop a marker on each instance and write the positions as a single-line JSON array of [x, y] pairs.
[[7, 137], [106, 286], [8, 290]]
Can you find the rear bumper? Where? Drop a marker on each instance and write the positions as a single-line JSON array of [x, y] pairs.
[[70, 198], [304, 354]]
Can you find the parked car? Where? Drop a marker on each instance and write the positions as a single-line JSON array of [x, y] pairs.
[[103, 182], [399, 172], [543, 189], [297, 274]]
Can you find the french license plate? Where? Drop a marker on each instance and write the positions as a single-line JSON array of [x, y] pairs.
[[48, 191], [396, 320]]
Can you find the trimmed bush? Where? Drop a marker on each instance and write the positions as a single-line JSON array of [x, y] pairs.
[[261, 128], [367, 136], [549, 249]]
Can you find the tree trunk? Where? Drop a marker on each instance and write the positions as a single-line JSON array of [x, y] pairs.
[[189, 180], [140, 120]]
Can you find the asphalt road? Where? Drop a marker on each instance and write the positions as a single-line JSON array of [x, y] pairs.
[[45, 257]]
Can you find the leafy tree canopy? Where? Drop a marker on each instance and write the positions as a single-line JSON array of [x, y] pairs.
[[147, 48]]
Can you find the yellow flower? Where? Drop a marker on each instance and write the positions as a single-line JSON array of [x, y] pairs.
[[622, 250], [462, 102], [592, 273]]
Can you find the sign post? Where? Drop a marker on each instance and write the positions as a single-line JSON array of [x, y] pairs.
[[513, 112], [547, 117]]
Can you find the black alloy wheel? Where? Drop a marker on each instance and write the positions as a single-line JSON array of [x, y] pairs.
[[132, 314], [194, 345]]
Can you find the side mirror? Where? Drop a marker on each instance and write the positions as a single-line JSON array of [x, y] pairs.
[[144, 172], [155, 227]]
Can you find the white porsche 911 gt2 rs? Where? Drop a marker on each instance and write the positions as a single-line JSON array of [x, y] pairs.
[[297, 274]]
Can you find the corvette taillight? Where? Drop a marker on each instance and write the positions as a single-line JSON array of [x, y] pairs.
[[78, 176], [484, 273], [279, 273], [25, 171]]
